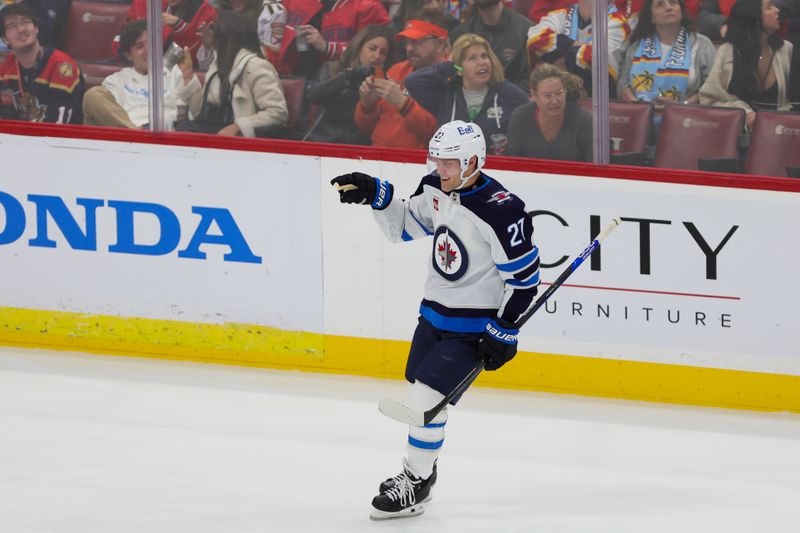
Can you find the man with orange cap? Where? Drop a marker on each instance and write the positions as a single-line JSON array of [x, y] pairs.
[[386, 112]]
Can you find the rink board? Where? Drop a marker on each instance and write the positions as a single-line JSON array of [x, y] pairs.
[[247, 258]]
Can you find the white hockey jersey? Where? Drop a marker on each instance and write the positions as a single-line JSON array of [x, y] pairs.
[[483, 262]]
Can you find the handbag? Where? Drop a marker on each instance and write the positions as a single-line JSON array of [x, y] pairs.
[[212, 117]]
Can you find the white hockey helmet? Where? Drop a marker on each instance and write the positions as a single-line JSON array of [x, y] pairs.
[[458, 140]]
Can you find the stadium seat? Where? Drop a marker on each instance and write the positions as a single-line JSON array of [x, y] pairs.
[[774, 144], [690, 133], [628, 128], [95, 73], [91, 27], [294, 90]]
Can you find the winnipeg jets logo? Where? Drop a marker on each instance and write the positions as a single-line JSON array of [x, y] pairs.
[[449, 256], [500, 197]]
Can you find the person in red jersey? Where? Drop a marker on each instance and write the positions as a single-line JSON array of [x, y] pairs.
[[38, 84]]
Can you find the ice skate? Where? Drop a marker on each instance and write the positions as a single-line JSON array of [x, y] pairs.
[[392, 481], [406, 497]]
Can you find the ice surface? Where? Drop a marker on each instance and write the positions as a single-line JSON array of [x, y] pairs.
[[108, 444]]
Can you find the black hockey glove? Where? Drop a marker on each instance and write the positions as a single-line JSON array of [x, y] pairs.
[[498, 345], [359, 188]]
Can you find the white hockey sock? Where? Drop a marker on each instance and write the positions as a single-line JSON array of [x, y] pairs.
[[424, 443]]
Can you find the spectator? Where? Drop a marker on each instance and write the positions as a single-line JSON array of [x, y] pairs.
[[553, 125], [410, 7], [338, 97], [506, 30], [325, 28], [564, 38], [794, 81], [38, 84], [242, 92], [664, 61], [122, 100], [711, 19], [471, 87], [540, 8], [385, 110], [267, 16], [751, 70], [186, 18]]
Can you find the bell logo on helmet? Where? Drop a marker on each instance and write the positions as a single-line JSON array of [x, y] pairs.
[[466, 130]]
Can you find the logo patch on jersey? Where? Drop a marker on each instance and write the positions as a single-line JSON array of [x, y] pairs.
[[66, 70], [449, 256], [500, 197], [435, 204]]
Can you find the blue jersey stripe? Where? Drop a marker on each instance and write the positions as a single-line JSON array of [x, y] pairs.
[[421, 225], [534, 280], [425, 445], [457, 325], [521, 262], [406, 237]]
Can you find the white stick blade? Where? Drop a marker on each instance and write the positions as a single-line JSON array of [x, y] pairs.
[[401, 412]]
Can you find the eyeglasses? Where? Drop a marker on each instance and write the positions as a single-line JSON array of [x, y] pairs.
[[551, 96], [14, 26]]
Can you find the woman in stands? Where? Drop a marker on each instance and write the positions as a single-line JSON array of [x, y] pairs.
[[267, 16], [751, 70], [242, 92], [470, 87], [664, 61], [337, 98], [553, 125]]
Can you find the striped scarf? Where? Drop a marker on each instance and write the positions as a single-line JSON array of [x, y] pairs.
[[652, 76]]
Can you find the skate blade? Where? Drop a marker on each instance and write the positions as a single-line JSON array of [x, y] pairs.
[[414, 510]]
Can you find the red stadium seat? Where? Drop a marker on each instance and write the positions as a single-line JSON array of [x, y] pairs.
[[294, 90], [95, 73], [91, 27], [774, 144], [629, 126], [690, 133]]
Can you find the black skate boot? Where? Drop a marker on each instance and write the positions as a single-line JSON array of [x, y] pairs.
[[404, 498], [389, 483]]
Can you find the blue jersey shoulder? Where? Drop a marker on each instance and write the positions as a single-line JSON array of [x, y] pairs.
[[504, 212], [492, 202], [430, 180]]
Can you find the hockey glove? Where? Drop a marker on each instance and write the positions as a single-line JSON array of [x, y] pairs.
[[359, 188], [498, 345]]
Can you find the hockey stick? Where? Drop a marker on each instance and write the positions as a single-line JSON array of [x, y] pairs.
[[403, 413]]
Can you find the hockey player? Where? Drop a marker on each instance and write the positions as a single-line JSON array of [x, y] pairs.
[[482, 277]]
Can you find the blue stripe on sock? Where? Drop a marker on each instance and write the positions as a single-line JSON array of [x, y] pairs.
[[432, 425], [425, 445]]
